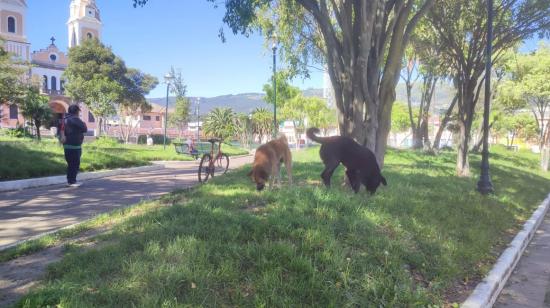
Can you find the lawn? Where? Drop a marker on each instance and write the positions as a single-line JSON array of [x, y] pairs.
[[27, 158], [423, 240]]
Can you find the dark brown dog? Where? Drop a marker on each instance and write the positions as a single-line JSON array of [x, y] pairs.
[[267, 163], [360, 162]]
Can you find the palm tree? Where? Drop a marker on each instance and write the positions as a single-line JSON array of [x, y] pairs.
[[262, 121], [243, 125], [220, 123]]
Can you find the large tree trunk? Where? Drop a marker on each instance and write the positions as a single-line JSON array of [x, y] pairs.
[[364, 46]]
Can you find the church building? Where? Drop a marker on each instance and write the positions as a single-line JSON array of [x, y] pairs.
[[49, 63]]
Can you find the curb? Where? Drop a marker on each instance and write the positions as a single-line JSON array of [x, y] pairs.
[[61, 179], [487, 291]]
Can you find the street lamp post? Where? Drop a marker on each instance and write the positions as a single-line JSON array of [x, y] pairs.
[[198, 119], [484, 184], [168, 78], [274, 47]]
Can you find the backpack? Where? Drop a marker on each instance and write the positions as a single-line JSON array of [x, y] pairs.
[[61, 135]]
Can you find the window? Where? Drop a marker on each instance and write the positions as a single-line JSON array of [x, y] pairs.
[[89, 35], [13, 112], [53, 57], [91, 118], [11, 24], [62, 85], [157, 118], [45, 82], [54, 83], [146, 118]]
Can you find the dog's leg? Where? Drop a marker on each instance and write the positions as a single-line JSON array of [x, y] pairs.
[[279, 174], [327, 173], [353, 177], [288, 166]]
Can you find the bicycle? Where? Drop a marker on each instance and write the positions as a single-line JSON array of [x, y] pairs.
[[213, 162]]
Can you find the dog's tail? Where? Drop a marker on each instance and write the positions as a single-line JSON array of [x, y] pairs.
[[311, 134]]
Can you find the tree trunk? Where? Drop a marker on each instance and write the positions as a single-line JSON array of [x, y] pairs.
[[37, 124], [296, 135], [462, 161], [544, 158], [99, 130], [443, 124]]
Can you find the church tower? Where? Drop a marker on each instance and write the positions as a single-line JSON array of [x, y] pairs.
[[84, 22], [12, 28]]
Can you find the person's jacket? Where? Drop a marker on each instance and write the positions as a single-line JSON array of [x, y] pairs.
[[74, 130]]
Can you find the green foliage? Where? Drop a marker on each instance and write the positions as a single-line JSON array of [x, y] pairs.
[[220, 123], [136, 86], [521, 125], [11, 71], [285, 91], [222, 244], [400, 117], [262, 122], [528, 87], [97, 77], [319, 114], [35, 107], [244, 128], [18, 132], [180, 115]]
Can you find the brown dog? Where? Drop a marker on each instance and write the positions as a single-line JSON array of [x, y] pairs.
[[267, 162], [360, 162]]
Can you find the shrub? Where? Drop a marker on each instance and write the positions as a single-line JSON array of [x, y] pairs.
[[157, 139], [106, 142], [19, 132]]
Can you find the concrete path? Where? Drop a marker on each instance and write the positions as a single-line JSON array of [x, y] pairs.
[[28, 213], [529, 284]]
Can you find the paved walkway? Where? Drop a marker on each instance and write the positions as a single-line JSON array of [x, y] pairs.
[[27, 213], [529, 284]]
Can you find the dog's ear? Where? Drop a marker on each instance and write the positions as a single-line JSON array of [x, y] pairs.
[[383, 180]]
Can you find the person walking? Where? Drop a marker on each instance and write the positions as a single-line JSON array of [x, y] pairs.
[[74, 129]]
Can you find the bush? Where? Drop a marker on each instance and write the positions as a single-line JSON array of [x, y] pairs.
[[157, 139], [19, 132], [106, 142]]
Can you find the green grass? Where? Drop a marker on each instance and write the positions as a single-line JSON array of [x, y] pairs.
[[412, 244], [26, 158]]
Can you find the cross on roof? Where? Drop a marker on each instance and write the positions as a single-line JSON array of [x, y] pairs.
[[53, 40]]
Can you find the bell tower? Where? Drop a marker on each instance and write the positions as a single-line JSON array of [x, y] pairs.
[[12, 28], [84, 22]]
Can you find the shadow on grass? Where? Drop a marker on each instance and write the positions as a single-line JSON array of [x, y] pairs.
[[302, 245], [19, 161]]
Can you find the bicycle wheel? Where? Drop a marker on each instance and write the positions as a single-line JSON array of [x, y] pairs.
[[222, 164], [204, 168]]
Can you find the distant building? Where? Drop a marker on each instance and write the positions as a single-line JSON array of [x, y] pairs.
[[48, 64]]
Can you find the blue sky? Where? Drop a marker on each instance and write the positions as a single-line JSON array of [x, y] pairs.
[[182, 33], [165, 33]]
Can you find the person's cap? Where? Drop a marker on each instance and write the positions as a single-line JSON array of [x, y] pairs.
[[74, 109]]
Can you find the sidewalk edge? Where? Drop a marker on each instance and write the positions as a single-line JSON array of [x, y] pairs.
[[487, 291], [61, 179]]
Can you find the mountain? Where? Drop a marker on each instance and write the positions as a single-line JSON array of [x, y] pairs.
[[240, 103], [247, 102]]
